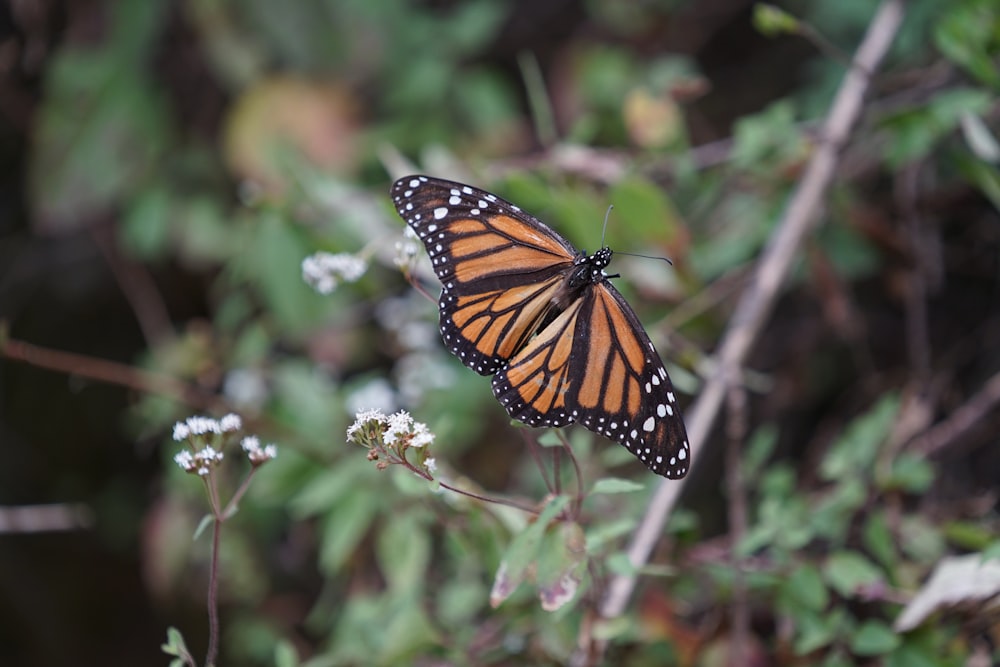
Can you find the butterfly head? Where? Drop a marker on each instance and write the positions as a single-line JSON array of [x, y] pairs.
[[589, 269]]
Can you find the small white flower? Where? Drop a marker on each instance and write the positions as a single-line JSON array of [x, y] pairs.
[[421, 435], [362, 418], [206, 458], [230, 422], [406, 248], [323, 271], [202, 425], [184, 460], [181, 431], [250, 444], [431, 464], [399, 424], [256, 453]]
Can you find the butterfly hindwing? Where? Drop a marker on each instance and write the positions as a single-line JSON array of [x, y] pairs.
[[624, 392], [536, 386]]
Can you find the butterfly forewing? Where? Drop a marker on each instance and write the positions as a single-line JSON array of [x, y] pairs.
[[520, 303], [498, 266]]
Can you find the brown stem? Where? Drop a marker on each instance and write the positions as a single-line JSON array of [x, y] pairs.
[[213, 597], [736, 430], [110, 372]]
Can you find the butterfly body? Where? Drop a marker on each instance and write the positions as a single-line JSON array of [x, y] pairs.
[[521, 304]]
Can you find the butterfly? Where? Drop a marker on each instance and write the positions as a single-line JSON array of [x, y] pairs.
[[520, 303]]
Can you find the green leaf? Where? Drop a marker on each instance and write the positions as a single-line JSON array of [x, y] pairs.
[[967, 35], [344, 526], [918, 652], [804, 589], [285, 654], [328, 486], [773, 21], [914, 133], [404, 552], [992, 551], [759, 450], [847, 571], [522, 553], [175, 646], [647, 208], [969, 535], [921, 539], [879, 540], [979, 138], [562, 562], [982, 175], [616, 485], [768, 142], [272, 263], [550, 439], [404, 631], [203, 525], [909, 473], [814, 631], [854, 453], [601, 533], [619, 563], [874, 638], [97, 136], [145, 228]]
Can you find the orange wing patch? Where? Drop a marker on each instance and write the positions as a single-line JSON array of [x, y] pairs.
[[498, 323], [539, 374]]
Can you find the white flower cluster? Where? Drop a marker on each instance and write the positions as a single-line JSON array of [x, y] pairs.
[[200, 459], [406, 248], [199, 462], [363, 417], [256, 453], [203, 425], [401, 424], [323, 271], [388, 439]]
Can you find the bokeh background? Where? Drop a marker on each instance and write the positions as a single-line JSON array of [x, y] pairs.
[[168, 165]]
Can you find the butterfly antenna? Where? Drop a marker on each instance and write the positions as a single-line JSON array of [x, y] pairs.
[[604, 231], [630, 254], [635, 254]]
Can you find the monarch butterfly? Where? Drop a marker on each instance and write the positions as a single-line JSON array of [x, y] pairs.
[[523, 305]]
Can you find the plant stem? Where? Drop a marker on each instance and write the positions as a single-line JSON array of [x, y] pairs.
[[213, 597]]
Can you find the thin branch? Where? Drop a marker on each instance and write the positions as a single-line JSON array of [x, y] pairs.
[[918, 345], [110, 372], [757, 302], [961, 420], [736, 435], [138, 288], [45, 518], [213, 596]]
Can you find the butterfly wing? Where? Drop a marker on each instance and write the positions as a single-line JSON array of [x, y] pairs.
[[596, 365], [499, 267]]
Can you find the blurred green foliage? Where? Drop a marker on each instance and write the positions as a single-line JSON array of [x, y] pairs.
[[403, 574]]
